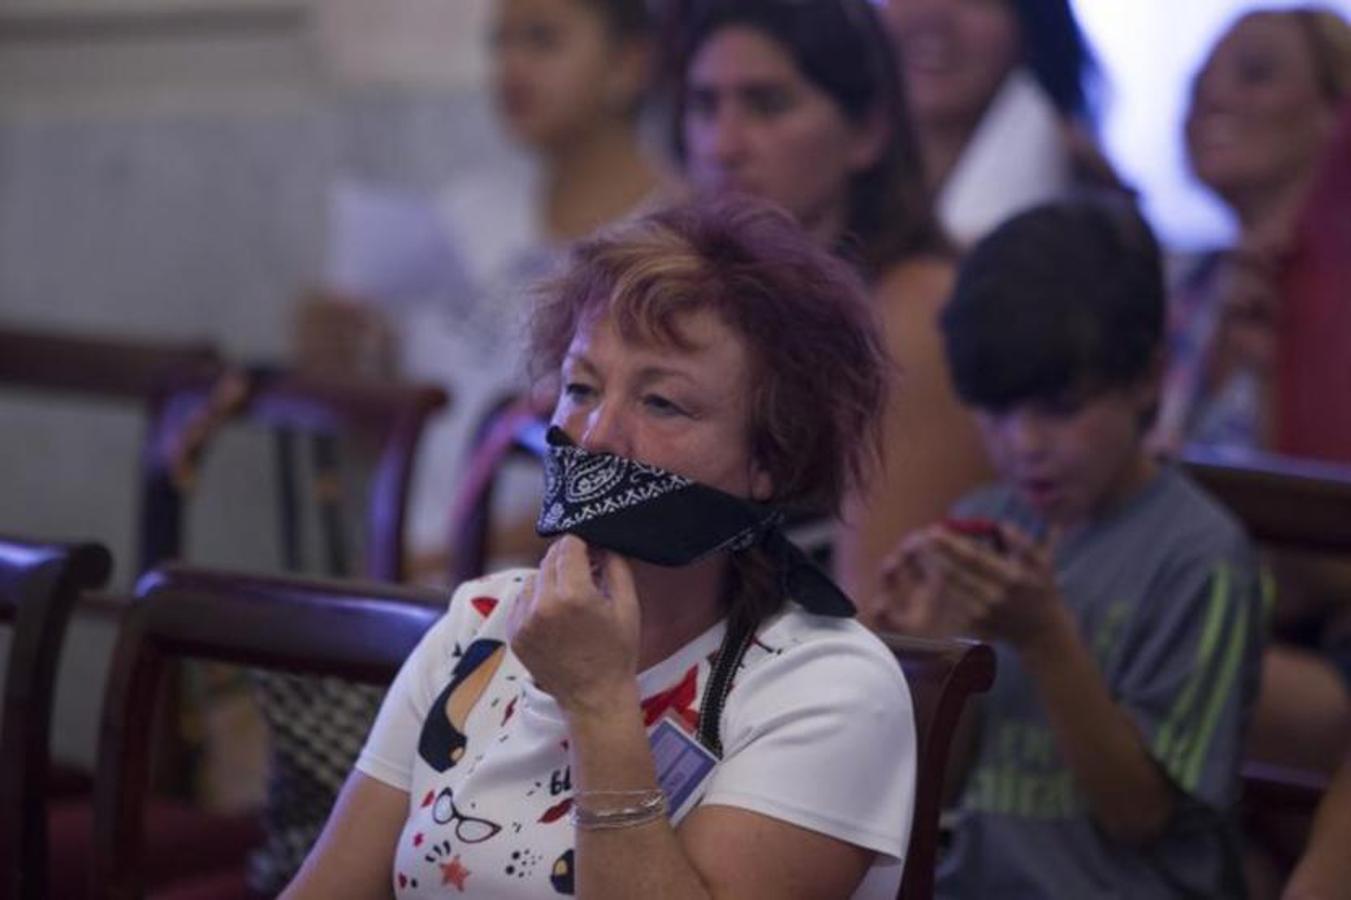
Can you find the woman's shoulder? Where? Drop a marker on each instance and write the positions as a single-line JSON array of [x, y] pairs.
[[807, 648], [923, 279]]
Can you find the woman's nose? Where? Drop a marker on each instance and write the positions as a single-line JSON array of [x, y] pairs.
[[725, 138], [604, 430]]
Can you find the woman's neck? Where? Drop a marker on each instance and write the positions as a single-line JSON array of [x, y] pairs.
[[941, 145], [595, 178], [678, 605], [1267, 214]]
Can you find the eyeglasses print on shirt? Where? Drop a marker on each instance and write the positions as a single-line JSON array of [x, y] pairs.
[[468, 829]]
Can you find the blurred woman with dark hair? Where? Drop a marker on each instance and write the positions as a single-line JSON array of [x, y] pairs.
[[1001, 91], [802, 104]]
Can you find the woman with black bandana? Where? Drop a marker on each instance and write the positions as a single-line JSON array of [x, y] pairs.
[[677, 703]]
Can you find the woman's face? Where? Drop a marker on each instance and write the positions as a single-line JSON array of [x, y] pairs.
[[558, 70], [955, 55], [1257, 120], [685, 411], [754, 123]]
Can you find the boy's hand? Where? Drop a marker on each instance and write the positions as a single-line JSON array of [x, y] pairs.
[[919, 593], [1011, 595], [940, 582]]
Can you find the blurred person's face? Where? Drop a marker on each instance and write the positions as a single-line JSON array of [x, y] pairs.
[[754, 123], [559, 70], [686, 411], [1072, 458], [1257, 119], [955, 54]]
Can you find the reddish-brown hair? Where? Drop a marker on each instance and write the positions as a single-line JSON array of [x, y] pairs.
[[818, 368]]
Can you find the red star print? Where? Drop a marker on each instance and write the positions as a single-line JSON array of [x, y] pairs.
[[676, 699], [417, 839], [484, 605], [454, 873]]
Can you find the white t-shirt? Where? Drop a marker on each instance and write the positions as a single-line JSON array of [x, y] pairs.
[[1016, 159], [817, 731]]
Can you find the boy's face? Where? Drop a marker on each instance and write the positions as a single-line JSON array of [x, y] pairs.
[[1074, 457]]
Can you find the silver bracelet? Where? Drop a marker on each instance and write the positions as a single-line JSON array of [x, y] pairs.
[[650, 806]]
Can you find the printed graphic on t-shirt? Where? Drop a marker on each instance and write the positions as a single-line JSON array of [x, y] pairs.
[[493, 784]]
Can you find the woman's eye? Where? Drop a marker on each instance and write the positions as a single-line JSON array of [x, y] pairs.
[[542, 38], [575, 390], [662, 406], [702, 103], [1254, 70], [769, 101]]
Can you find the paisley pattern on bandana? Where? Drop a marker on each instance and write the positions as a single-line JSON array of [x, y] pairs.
[[644, 512], [581, 486]]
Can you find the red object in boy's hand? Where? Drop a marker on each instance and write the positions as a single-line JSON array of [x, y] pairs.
[[983, 531]]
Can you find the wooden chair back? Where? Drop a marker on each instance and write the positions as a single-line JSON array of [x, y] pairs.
[[105, 368], [1285, 504], [943, 676], [513, 430], [39, 586], [99, 367], [356, 631], [388, 416]]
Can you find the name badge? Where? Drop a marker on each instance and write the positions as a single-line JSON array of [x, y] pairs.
[[683, 767]]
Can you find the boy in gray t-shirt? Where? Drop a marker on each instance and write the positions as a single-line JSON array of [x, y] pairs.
[[1123, 602]]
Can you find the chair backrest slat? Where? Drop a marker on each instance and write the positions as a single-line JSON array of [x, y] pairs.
[[39, 586], [97, 366], [388, 416], [511, 431], [1284, 503], [942, 676]]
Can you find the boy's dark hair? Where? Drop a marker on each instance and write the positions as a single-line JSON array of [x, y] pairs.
[[1064, 298]]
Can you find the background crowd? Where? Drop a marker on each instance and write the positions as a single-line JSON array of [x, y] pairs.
[[921, 141]]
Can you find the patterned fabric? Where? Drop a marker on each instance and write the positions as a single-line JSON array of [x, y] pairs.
[[1224, 416], [581, 486], [317, 727], [645, 512]]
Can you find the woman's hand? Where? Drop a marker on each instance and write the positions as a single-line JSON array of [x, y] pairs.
[[575, 627]]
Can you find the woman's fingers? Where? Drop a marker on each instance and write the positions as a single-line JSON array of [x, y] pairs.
[[520, 610]]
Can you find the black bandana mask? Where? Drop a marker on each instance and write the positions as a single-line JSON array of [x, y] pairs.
[[647, 513]]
